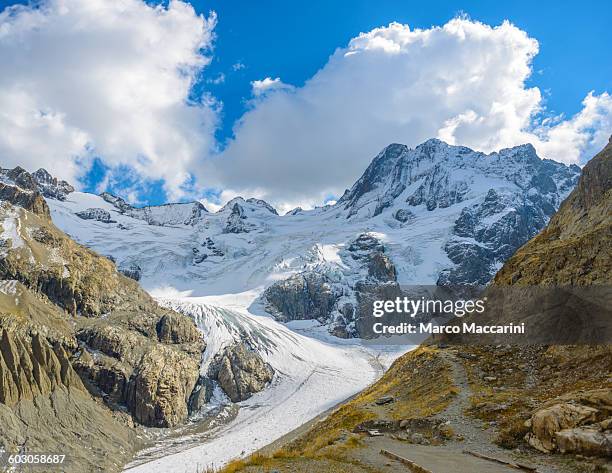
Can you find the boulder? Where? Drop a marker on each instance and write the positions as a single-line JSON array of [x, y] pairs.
[[546, 422], [240, 372], [588, 441]]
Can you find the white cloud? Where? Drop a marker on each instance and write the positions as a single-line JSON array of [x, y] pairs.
[[264, 86], [464, 82], [83, 78]]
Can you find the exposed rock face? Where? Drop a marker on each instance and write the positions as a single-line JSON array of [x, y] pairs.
[[403, 215], [576, 246], [40, 181], [301, 297], [131, 270], [51, 186], [240, 372], [118, 202], [370, 251], [77, 279], [100, 215], [344, 301], [437, 176], [236, 220], [176, 328], [43, 401], [29, 200], [154, 381], [164, 380], [30, 366], [201, 394], [69, 421]]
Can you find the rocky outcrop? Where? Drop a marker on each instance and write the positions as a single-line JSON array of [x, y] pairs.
[[368, 250], [30, 366], [97, 214], [50, 186], [236, 221], [120, 204], [158, 394], [301, 297], [489, 232], [577, 423], [44, 403], [29, 200], [177, 329], [131, 270], [403, 215], [201, 394], [154, 381], [240, 372]]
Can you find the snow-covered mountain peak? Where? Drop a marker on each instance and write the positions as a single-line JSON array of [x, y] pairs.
[[249, 205], [436, 174]]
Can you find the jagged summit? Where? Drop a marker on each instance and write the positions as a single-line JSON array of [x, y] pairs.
[[437, 174], [40, 181], [252, 204]]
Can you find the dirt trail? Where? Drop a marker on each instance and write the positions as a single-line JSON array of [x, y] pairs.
[[470, 434], [475, 436]]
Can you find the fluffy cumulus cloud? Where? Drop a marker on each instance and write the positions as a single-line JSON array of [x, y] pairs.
[[85, 78], [114, 80], [464, 82]]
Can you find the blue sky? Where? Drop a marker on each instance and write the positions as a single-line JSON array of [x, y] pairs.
[[292, 41], [278, 38]]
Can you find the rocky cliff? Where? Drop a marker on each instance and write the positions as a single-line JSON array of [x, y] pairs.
[[80, 344]]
